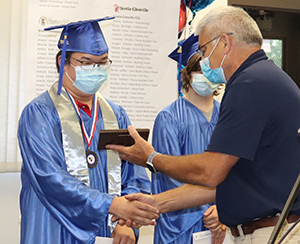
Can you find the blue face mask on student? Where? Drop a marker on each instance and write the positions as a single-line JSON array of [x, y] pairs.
[[213, 75], [202, 85], [89, 81]]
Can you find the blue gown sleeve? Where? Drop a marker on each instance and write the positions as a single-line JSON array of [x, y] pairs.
[[78, 208]]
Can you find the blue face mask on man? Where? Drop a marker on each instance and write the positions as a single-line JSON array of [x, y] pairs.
[[213, 75], [202, 86], [89, 81]]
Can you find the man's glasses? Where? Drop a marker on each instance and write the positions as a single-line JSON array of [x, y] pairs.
[[87, 65], [200, 48]]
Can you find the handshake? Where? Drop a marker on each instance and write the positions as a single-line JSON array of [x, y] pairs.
[[135, 210], [139, 209]]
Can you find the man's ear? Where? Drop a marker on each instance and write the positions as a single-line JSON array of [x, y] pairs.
[[227, 42]]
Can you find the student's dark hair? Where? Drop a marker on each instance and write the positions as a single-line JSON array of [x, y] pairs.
[[192, 65], [68, 56]]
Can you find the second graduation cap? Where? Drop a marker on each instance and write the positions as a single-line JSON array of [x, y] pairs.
[[82, 36], [188, 49]]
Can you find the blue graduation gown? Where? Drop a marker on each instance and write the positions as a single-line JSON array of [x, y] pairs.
[[180, 129], [56, 207]]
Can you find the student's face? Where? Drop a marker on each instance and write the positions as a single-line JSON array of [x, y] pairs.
[[80, 59]]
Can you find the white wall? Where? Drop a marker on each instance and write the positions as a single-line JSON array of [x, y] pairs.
[[9, 208]]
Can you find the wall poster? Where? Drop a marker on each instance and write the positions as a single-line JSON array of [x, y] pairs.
[[142, 79]]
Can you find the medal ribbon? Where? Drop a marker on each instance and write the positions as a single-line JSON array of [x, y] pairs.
[[88, 138]]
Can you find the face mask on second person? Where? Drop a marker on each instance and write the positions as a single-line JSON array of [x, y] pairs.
[[202, 85]]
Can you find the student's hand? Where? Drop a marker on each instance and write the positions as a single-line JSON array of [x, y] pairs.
[[123, 235], [211, 221], [135, 211], [137, 153], [210, 218], [218, 236]]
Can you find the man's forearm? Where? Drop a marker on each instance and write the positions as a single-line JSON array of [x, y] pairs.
[[186, 196], [208, 169]]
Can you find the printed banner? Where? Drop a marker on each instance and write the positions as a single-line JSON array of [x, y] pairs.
[[142, 79]]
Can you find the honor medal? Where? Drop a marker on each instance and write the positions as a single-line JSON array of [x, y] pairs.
[[91, 159]]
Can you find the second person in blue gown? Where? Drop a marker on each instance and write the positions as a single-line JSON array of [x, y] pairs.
[[184, 127]]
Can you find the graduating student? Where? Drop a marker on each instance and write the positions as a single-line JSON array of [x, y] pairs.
[[184, 127], [69, 187]]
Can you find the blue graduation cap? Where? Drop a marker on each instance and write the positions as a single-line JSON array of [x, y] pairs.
[[82, 36], [183, 53], [185, 50]]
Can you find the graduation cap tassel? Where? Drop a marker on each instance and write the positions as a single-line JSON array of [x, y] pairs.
[[62, 63], [179, 68]]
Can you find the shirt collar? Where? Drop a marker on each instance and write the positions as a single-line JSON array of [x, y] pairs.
[[253, 58], [84, 107]]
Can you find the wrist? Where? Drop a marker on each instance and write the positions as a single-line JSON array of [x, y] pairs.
[[149, 162], [116, 202], [157, 202], [164, 202], [112, 206]]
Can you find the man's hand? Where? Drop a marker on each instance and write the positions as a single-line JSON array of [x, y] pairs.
[[144, 198], [211, 221], [137, 153], [138, 212], [123, 235]]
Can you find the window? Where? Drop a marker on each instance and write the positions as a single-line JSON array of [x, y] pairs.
[[273, 49]]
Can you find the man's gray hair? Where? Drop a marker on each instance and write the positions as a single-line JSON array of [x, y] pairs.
[[228, 19]]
